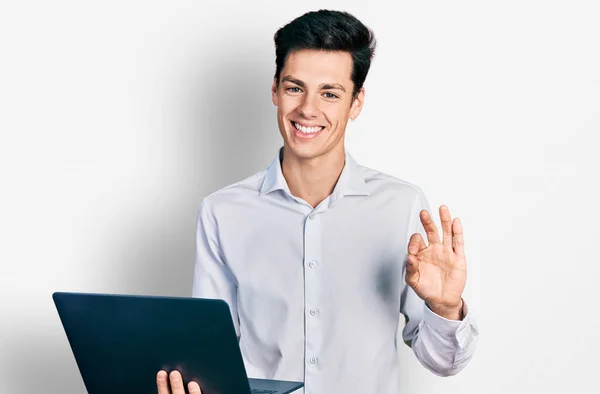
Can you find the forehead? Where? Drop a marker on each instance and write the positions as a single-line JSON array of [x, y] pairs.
[[315, 67]]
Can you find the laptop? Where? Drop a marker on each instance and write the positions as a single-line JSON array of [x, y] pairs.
[[120, 342]]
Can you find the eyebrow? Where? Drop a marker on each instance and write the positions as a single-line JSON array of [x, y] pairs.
[[300, 83]]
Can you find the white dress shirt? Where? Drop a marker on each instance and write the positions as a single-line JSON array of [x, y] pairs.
[[316, 294]]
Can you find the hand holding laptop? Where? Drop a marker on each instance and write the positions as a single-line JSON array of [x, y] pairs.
[[163, 379]]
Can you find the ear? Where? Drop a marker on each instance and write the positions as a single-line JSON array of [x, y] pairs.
[[357, 104], [274, 92]]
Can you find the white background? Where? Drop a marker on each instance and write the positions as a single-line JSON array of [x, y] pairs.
[[118, 117]]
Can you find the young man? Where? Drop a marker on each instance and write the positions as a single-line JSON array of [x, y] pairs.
[[317, 255]]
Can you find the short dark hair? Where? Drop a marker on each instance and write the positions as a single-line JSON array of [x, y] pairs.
[[329, 31]]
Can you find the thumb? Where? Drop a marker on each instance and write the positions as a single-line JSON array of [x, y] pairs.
[[412, 271], [194, 388]]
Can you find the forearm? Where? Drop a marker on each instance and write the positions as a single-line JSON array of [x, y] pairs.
[[445, 346]]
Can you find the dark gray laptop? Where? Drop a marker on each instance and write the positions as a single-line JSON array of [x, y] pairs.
[[120, 342]]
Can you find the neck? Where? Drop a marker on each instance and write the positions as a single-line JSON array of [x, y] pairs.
[[313, 179]]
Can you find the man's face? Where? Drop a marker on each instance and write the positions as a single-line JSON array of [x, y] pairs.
[[314, 102]]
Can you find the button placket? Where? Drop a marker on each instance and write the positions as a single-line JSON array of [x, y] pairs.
[[312, 288]]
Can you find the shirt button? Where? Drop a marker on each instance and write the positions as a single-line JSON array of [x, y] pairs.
[[313, 312], [313, 360], [312, 264], [311, 217]]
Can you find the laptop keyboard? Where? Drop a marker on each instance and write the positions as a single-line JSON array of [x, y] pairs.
[[260, 391]]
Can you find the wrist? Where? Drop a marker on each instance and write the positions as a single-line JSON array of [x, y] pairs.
[[450, 312]]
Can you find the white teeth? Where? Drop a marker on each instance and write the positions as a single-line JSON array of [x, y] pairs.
[[308, 130]]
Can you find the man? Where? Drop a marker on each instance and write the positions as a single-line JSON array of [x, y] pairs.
[[317, 255]]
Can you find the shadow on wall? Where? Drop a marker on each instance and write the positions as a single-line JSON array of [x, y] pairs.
[[226, 129]]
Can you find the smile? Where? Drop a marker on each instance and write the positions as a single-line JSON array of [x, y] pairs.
[[306, 129]]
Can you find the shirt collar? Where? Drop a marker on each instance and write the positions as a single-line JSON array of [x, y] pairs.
[[350, 183], [274, 179]]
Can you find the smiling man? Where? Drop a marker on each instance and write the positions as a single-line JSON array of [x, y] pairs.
[[318, 256]]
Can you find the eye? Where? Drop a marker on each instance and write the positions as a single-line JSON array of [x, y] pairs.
[[293, 89], [330, 95]]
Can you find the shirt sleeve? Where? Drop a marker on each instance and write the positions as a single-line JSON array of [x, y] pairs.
[[212, 277], [442, 346]]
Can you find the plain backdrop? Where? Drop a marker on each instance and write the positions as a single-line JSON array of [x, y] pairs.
[[118, 117]]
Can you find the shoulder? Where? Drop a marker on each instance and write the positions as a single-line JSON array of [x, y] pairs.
[[235, 193], [379, 182]]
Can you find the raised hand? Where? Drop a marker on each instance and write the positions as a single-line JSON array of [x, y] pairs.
[[175, 381], [438, 272]]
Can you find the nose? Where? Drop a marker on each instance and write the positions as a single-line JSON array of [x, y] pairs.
[[309, 107]]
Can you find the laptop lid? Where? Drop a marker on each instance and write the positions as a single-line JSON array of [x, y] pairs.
[[120, 342]]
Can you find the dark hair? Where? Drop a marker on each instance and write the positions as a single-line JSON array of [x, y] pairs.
[[329, 31]]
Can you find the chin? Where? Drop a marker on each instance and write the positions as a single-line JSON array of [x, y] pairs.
[[304, 152]]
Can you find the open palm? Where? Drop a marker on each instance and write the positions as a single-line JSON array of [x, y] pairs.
[[438, 272]]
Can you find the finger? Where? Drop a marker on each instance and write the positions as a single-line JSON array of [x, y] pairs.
[[430, 228], [459, 239], [446, 220], [194, 388], [412, 271], [162, 384], [416, 244], [176, 383]]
